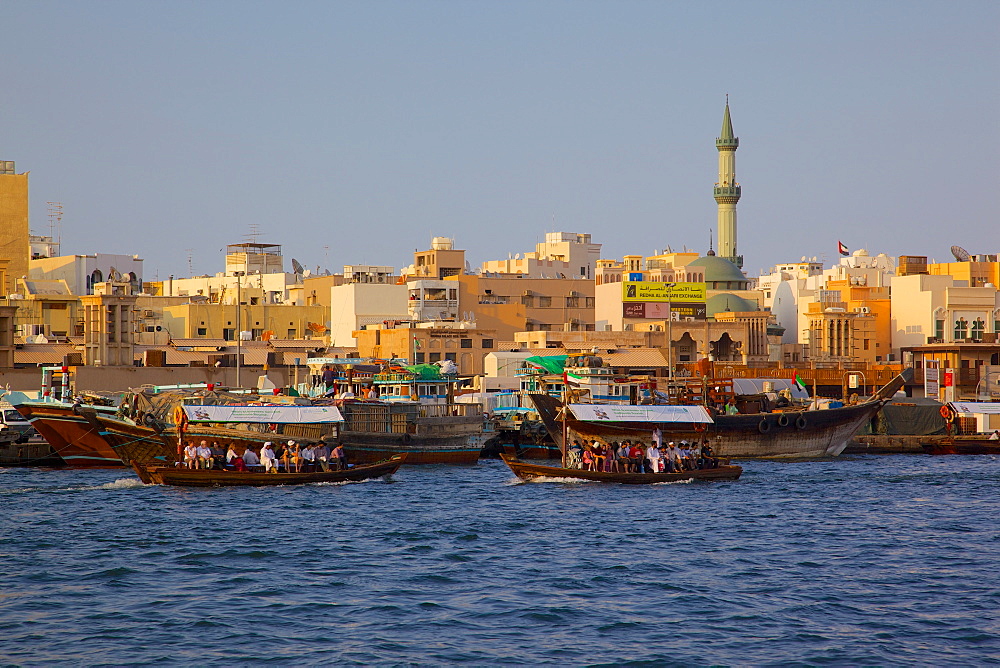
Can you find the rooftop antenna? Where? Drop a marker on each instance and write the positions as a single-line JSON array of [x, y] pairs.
[[55, 223], [190, 252], [254, 233]]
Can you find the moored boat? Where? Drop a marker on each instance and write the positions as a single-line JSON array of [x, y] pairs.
[[962, 445], [182, 477], [76, 441], [792, 434], [531, 471]]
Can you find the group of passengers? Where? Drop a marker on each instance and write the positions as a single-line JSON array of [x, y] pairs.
[[270, 458], [635, 457]]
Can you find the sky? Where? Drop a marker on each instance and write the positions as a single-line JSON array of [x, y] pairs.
[[353, 132]]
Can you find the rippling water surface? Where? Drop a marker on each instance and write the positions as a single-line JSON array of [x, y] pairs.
[[870, 560]]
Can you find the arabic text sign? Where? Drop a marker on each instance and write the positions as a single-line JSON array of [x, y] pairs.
[[660, 310], [623, 413], [264, 414], [662, 292]]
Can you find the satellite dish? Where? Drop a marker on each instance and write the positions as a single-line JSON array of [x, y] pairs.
[[517, 256], [115, 276], [960, 254], [296, 267]]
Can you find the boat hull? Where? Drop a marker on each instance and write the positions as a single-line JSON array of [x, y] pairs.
[[962, 445], [75, 440], [143, 444], [530, 471], [163, 475]]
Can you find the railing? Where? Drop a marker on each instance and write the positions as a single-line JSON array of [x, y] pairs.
[[451, 410]]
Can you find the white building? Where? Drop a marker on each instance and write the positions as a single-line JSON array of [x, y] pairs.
[[789, 288], [254, 271], [561, 255], [372, 297], [83, 272]]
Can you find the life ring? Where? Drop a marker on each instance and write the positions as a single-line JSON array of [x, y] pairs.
[[764, 426], [699, 426], [800, 422], [947, 413], [783, 420]]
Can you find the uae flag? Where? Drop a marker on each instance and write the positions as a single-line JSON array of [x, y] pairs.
[[843, 249], [799, 383]]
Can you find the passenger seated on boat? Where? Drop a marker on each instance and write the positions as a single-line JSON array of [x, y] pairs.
[[731, 408], [268, 459], [598, 455], [218, 456], [338, 458], [239, 465], [635, 458], [204, 456], [711, 462], [653, 458], [323, 456], [574, 455], [611, 463], [995, 436], [191, 456], [624, 463], [251, 460], [588, 460], [294, 461], [308, 458], [231, 456]]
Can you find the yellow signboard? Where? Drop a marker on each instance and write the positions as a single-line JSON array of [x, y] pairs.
[[663, 292]]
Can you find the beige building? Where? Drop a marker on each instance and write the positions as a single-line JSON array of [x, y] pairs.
[[463, 343], [109, 326], [15, 247], [929, 309], [508, 304], [260, 322]]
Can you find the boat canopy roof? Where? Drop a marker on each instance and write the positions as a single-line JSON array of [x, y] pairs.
[[279, 413], [550, 363], [624, 413], [987, 407]]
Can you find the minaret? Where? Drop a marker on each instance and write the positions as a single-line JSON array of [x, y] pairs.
[[727, 191]]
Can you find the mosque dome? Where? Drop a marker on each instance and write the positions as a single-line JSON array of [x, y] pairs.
[[729, 302], [720, 273]]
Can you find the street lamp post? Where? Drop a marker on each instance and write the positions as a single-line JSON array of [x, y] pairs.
[[239, 324]]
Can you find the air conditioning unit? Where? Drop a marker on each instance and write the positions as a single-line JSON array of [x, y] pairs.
[[864, 310]]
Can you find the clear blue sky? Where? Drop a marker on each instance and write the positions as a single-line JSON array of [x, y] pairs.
[[369, 127]]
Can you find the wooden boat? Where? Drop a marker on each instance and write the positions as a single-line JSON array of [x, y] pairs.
[[962, 445], [169, 475], [73, 438], [803, 434], [530, 471]]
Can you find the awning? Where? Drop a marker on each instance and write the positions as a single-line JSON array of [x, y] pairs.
[[265, 414], [624, 413]]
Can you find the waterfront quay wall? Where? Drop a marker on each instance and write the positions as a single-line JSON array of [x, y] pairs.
[[115, 379]]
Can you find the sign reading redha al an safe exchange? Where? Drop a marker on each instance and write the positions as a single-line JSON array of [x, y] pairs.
[[633, 291]]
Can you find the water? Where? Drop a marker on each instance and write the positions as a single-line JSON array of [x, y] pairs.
[[855, 561]]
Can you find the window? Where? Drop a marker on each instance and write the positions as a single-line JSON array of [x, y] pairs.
[[202, 331], [229, 334], [466, 343], [451, 356], [961, 329], [528, 301], [588, 302], [544, 302], [488, 343], [418, 358], [939, 330], [254, 301], [290, 334], [978, 327], [572, 302], [867, 344], [434, 357]]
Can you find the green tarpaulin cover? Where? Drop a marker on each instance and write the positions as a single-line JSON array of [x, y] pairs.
[[425, 371], [550, 363]]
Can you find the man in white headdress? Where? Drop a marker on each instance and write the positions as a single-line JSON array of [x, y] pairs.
[[268, 459]]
